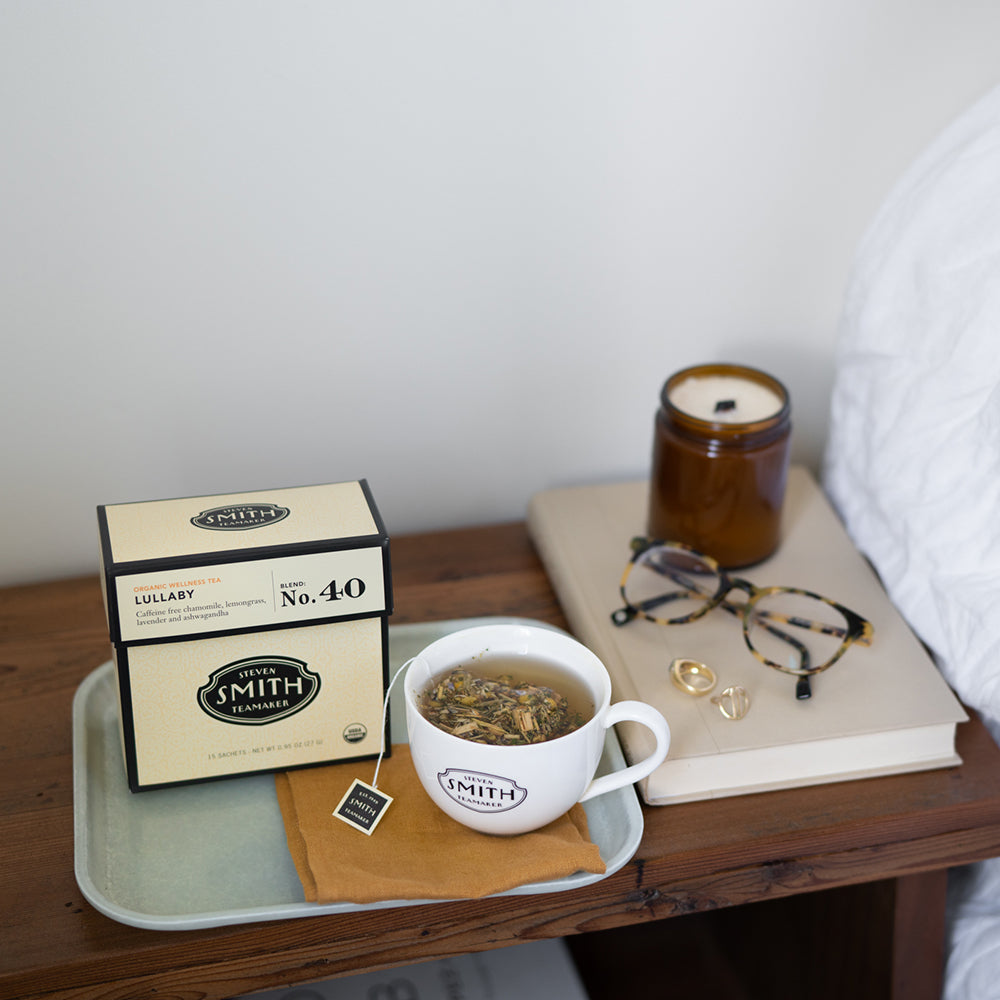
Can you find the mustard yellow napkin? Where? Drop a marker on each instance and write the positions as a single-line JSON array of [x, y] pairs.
[[416, 851]]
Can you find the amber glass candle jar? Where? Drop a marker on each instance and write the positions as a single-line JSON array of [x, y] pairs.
[[720, 462]]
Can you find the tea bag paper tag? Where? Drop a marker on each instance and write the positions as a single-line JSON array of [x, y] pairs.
[[362, 806]]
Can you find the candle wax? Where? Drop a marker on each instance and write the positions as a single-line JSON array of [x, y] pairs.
[[725, 399]]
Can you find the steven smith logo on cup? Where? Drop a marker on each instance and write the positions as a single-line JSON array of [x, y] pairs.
[[485, 793]]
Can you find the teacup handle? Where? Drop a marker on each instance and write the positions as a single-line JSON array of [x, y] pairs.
[[632, 711]]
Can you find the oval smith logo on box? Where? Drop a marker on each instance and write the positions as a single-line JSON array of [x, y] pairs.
[[240, 516], [258, 690]]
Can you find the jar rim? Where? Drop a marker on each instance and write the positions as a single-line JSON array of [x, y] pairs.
[[728, 428]]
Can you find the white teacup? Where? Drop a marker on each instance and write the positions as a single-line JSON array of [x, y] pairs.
[[513, 789]]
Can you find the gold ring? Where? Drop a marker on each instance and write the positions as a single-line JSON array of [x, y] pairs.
[[734, 702], [692, 677]]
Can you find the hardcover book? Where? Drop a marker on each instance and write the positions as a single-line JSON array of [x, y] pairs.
[[880, 709]]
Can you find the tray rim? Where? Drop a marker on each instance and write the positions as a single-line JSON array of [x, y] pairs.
[[627, 800]]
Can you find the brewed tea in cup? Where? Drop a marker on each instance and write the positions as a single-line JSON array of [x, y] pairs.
[[507, 725]]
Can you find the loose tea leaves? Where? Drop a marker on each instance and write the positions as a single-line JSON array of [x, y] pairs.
[[496, 710]]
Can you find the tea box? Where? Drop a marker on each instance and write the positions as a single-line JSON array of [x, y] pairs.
[[249, 631]]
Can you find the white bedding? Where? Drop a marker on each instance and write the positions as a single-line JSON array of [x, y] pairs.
[[913, 461]]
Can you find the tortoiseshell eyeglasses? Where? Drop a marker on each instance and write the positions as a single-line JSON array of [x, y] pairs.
[[786, 628]]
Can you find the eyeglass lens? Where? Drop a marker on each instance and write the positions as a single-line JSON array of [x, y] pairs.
[[671, 584], [796, 631]]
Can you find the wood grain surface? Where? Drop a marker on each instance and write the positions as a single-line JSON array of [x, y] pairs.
[[902, 831]]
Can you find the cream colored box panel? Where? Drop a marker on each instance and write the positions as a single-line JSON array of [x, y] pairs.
[[165, 529], [197, 706], [246, 595]]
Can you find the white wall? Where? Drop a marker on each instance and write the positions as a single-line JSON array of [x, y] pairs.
[[453, 246]]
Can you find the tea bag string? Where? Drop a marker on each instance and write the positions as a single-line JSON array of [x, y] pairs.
[[385, 715]]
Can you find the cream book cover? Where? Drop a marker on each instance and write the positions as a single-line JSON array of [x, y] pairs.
[[881, 709]]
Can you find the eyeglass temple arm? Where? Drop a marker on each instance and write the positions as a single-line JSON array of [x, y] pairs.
[[624, 615], [861, 631], [866, 633]]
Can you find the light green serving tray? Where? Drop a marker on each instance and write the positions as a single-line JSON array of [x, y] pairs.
[[212, 854]]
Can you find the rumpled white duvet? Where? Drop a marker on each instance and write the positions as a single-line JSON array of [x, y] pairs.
[[913, 461]]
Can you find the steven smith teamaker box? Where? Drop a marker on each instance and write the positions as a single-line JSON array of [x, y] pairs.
[[249, 630]]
